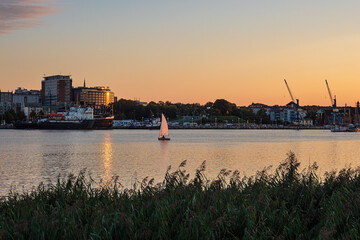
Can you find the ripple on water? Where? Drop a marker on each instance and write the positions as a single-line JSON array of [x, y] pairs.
[[30, 157]]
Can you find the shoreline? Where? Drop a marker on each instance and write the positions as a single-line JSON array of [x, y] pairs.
[[184, 128], [229, 128]]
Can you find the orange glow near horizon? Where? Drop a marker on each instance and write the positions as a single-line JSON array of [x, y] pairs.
[[195, 52]]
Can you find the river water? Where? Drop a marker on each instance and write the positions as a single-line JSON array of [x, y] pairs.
[[28, 157]]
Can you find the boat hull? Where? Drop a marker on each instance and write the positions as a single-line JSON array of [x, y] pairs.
[[65, 125], [353, 130], [103, 123], [58, 125], [163, 139], [26, 125]]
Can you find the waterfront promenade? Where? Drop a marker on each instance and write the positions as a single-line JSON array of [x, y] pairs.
[[221, 127], [233, 127]]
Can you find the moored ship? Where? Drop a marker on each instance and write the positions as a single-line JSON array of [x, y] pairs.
[[77, 118], [103, 123]]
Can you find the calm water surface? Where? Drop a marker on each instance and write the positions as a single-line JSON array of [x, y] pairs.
[[28, 157]]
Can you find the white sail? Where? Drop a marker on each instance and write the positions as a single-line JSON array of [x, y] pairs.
[[164, 130]]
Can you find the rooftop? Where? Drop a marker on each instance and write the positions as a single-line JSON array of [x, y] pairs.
[[57, 77]]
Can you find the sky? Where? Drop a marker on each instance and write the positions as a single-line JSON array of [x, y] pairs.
[[190, 51]]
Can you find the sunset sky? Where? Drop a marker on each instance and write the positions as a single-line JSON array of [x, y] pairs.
[[187, 50]]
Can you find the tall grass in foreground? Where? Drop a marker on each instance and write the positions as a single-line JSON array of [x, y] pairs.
[[288, 204]]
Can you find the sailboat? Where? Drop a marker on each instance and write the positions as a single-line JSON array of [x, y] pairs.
[[164, 130]]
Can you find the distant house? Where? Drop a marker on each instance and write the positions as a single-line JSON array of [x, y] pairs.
[[287, 114], [291, 105], [123, 123], [6, 99], [29, 109], [256, 107], [141, 103], [23, 98], [308, 122], [276, 114]]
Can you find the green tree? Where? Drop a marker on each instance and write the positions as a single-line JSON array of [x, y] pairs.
[[224, 107], [32, 115], [262, 117], [246, 114], [20, 116], [10, 116], [171, 111]]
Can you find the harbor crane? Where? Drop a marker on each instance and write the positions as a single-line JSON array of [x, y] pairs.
[[296, 102], [335, 118]]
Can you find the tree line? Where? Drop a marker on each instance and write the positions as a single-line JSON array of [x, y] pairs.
[[221, 109], [11, 116]]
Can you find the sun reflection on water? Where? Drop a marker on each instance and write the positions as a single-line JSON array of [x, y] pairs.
[[164, 156], [107, 152], [47, 154]]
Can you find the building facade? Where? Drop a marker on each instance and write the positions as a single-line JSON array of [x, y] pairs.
[[256, 107], [30, 109], [287, 114], [97, 98], [56, 90], [25, 98], [6, 99]]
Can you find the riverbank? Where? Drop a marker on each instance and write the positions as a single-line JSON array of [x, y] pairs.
[[212, 127], [224, 127], [7, 126], [288, 204]]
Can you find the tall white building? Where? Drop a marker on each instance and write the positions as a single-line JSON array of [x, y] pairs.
[[25, 98]]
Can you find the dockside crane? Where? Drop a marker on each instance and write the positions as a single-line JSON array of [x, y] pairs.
[[296, 102], [335, 119]]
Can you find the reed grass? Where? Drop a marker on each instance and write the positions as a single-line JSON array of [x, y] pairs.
[[285, 204]]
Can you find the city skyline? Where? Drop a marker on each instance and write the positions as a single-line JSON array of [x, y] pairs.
[[186, 51]]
